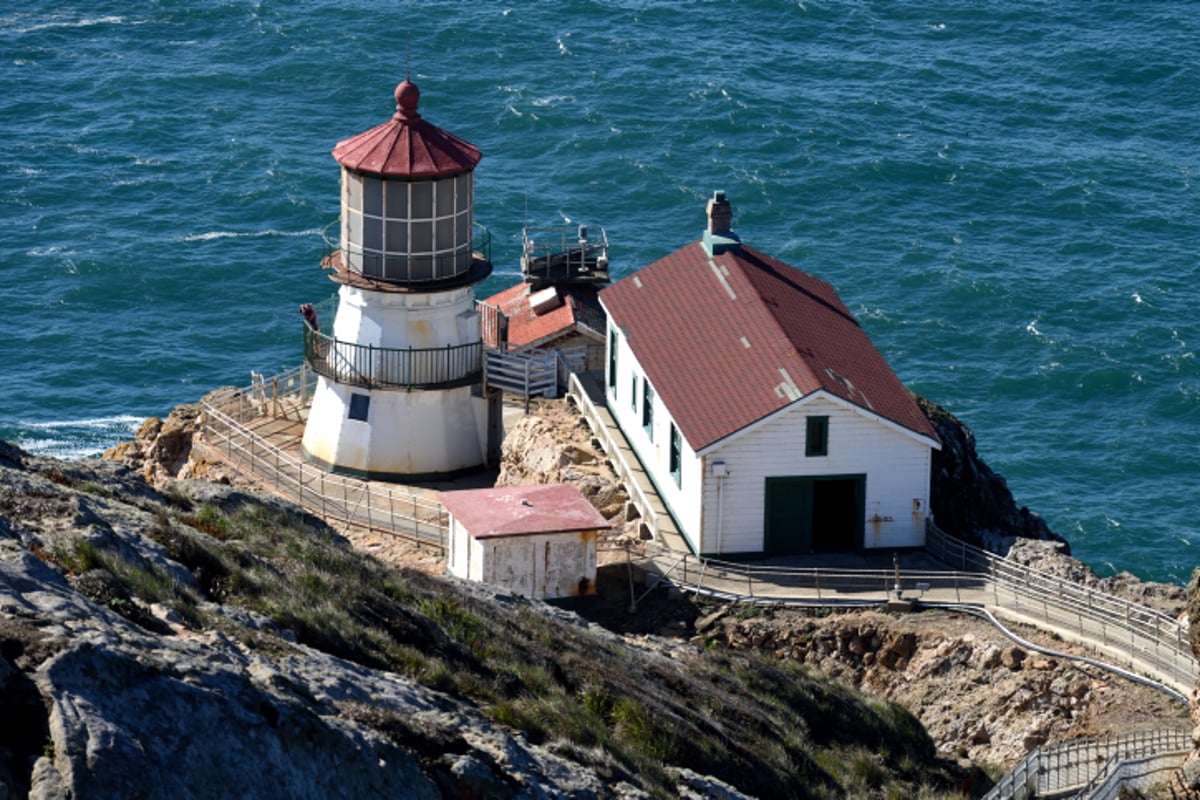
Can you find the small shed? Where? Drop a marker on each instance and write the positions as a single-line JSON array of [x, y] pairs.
[[538, 541]]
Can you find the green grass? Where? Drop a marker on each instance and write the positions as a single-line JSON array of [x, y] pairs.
[[768, 727]]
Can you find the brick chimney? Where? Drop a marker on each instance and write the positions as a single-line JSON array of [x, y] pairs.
[[718, 238]]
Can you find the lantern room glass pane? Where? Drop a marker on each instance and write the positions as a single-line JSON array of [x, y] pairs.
[[353, 186], [463, 192], [372, 240], [422, 200], [397, 200], [422, 237], [445, 234], [445, 198], [373, 197], [397, 236]]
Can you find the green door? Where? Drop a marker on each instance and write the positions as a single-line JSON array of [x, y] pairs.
[[789, 516], [822, 514]]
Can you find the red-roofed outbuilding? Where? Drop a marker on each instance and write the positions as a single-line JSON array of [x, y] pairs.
[[538, 541], [555, 317], [766, 418]]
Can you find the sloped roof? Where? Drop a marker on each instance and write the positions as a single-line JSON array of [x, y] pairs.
[[731, 338], [523, 510], [526, 327], [406, 146]]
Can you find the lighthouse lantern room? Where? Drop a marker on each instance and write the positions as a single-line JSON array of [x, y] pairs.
[[400, 376]]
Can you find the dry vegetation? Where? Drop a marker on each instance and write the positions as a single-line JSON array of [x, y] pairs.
[[770, 729]]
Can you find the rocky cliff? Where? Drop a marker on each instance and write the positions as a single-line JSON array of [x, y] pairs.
[[203, 641], [971, 501]]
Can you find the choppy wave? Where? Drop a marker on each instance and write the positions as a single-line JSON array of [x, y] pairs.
[[1004, 194], [209, 236], [74, 439]]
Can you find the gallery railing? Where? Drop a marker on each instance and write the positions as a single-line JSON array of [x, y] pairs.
[[393, 367]]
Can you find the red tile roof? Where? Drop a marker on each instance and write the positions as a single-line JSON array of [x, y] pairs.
[[407, 146], [579, 306], [729, 339], [522, 510]]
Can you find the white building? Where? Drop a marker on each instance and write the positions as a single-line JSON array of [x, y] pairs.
[[399, 393], [765, 417], [538, 541]]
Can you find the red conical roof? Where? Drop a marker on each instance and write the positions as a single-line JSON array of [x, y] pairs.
[[407, 146]]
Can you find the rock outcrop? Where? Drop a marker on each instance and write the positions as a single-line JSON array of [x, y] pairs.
[[204, 641], [553, 444], [977, 693], [971, 501], [162, 450]]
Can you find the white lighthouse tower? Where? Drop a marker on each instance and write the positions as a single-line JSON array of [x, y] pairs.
[[399, 393]]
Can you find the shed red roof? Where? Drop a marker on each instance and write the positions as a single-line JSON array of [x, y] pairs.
[[729, 339], [407, 146], [577, 306], [523, 510]]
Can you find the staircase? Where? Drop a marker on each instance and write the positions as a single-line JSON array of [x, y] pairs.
[[530, 372]]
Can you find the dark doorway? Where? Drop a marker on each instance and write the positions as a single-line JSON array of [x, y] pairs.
[[814, 514]]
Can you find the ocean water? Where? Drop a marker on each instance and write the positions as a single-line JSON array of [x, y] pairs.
[[1002, 192]]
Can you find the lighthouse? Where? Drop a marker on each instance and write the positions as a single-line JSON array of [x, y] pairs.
[[399, 394]]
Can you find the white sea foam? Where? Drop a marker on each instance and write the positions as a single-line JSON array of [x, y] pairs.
[[271, 232], [118, 422], [86, 22], [52, 250], [71, 440]]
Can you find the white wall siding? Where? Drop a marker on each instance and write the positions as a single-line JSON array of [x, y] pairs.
[[730, 518], [654, 450], [545, 566], [896, 466]]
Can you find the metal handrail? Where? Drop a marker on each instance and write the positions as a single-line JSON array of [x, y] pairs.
[[375, 367], [1143, 634], [377, 507], [1085, 765]]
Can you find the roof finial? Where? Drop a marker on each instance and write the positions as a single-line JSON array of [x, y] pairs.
[[407, 95]]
